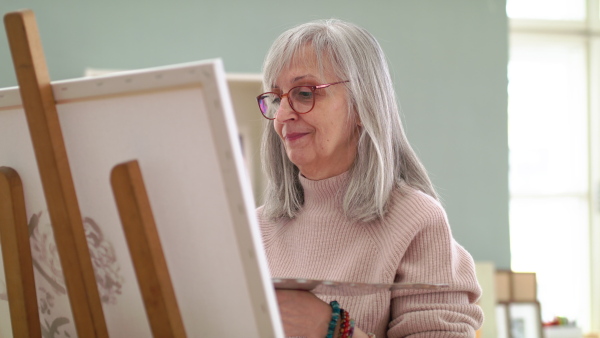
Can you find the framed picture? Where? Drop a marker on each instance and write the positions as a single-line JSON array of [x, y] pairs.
[[525, 320]]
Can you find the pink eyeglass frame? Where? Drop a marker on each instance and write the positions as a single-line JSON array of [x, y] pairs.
[[290, 102]]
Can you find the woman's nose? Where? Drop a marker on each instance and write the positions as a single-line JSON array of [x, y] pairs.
[[285, 111]]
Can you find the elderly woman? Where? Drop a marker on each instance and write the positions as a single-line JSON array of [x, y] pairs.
[[347, 198]]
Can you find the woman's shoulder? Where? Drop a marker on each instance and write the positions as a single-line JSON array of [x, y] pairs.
[[410, 203], [259, 211], [263, 220], [267, 225]]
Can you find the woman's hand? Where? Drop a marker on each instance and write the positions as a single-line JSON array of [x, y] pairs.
[[303, 314], [306, 316]]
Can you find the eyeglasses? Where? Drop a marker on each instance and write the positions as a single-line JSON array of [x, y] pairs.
[[301, 99]]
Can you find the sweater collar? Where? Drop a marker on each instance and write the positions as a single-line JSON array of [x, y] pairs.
[[323, 191]]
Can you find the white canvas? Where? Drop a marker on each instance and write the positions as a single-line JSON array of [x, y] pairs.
[[178, 123]]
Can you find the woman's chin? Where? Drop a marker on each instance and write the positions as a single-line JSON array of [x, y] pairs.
[[300, 161]]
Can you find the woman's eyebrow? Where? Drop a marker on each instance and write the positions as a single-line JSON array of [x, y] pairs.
[[302, 77], [296, 79]]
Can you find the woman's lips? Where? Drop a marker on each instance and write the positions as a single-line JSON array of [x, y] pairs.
[[294, 136]]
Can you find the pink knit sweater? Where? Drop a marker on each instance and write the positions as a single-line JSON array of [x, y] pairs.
[[413, 243]]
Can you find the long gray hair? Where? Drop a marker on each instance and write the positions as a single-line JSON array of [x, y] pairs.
[[384, 157]]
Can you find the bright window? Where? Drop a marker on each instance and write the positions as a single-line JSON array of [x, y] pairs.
[[553, 170]]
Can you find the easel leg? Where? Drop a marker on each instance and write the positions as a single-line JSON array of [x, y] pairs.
[[146, 251], [16, 253]]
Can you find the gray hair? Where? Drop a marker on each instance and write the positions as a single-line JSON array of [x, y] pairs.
[[384, 156]]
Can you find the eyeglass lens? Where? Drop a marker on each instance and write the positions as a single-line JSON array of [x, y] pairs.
[[301, 99]]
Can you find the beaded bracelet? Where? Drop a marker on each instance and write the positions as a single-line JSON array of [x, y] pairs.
[[343, 323], [351, 329], [347, 325], [335, 316]]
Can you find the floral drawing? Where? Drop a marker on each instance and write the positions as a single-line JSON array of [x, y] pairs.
[[105, 263], [50, 283]]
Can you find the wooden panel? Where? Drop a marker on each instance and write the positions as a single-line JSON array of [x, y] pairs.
[[523, 287], [46, 135], [146, 251], [16, 254], [503, 285]]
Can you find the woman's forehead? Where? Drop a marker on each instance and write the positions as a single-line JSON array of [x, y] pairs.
[[304, 65], [294, 73]]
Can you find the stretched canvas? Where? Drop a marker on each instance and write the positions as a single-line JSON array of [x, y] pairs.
[[177, 122]]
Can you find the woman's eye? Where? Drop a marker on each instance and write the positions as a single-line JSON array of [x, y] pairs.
[[304, 95]]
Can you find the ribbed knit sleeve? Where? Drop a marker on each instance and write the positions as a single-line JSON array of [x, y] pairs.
[[413, 243], [433, 256]]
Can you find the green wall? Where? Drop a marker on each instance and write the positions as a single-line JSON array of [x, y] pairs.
[[448, 60]]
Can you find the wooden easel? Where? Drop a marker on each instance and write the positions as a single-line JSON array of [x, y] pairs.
[[44, 126]]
